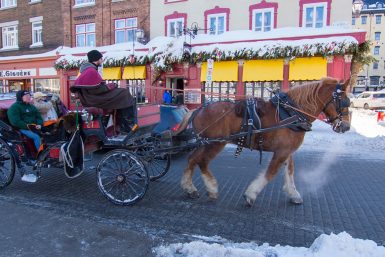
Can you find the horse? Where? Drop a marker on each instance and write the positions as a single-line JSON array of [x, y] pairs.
[[223, 119]]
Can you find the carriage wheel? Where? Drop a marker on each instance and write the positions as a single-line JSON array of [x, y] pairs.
[[157, 164], [122, 177], [7, 164]]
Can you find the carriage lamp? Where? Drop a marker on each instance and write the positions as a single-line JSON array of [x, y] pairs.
[[357, 7], [139, 34]]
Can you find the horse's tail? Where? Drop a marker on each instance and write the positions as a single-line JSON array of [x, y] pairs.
[[186, 119]]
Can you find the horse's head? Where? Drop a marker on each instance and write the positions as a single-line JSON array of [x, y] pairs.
[[336, 108]]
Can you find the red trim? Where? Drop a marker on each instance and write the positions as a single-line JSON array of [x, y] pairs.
[[360, 36], [285, 81], [263, 5], [172, 2], [328, 9], [174, 15], [218, 10]]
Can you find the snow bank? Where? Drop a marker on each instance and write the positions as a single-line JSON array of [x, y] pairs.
[[341, 245]]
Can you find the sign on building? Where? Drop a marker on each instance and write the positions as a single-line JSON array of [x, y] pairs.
[[192, 96], [17, 73]]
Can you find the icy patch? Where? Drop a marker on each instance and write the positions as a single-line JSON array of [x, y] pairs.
[[341, 245]]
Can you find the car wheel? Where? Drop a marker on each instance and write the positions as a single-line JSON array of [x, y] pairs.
[[366, 106]]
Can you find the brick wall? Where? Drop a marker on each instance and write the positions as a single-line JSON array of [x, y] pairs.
[[103, 14], [52, 25]]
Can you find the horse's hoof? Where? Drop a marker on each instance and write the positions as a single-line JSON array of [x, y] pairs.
[[249, 201], [193, 195], [296, 200], [213, 196]]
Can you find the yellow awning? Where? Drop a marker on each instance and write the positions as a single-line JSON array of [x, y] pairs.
[[134, 72], [222, 71], [263, 70], [114, 73], [311, 68]]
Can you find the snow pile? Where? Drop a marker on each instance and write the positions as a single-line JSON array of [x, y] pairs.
[[341, 245]]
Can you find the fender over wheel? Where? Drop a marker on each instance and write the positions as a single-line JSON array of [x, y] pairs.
[[122, 177], [7, 164]]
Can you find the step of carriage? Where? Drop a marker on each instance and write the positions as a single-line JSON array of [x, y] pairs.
[[116, 140]]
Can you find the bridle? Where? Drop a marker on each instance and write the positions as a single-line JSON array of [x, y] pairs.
[[340, 104]]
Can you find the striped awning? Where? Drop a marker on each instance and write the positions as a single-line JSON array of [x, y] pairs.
[[222, 71], [263, 70]]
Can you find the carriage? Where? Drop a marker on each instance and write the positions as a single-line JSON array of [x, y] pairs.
[[124, 171]]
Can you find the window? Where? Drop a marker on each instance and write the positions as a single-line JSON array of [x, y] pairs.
[[85, 34], [378, 19], [314, 15], [364, 19], [217, 24], [375, 66], [34, 1], [262, 89], [10, 37], [377, 36], [8, 3], [353, 20], [137, 89], [175, 27], [125, 30], [47, 85], [376, 50], [263, 19], [84, 2], [37, 31], [218, 91]]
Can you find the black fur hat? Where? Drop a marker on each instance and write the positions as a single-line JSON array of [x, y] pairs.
[[20, 94], [94, 55]]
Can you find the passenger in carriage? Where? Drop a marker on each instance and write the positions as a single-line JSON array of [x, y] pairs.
[[46, 109], [23, 113], [94, 92]]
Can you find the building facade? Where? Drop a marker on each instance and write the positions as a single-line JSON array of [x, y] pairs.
[[169, 17], [372, 20]]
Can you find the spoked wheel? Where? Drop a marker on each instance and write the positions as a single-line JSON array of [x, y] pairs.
[[7, 165], [122, 177], [157, 164]]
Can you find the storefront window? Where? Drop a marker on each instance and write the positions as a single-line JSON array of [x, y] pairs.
[[262, 89], [47, 85], [137, 89], [219, 91]]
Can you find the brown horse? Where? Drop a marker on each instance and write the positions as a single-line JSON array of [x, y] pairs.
[[221, 119]]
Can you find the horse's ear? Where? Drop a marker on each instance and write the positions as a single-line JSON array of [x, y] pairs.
[[347, 85]]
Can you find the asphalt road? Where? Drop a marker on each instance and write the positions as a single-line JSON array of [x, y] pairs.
[[62, 217]]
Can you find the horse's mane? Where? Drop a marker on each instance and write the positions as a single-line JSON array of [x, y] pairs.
[[307, 95]]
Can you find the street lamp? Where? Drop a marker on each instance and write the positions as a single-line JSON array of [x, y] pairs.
[[357, 7], [139, 34]]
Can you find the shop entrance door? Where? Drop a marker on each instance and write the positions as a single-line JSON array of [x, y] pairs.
[[177, 86]]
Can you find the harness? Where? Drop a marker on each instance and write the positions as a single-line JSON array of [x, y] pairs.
[[283, 103]]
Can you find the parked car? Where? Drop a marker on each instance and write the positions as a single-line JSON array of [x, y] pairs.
[[369, 100]]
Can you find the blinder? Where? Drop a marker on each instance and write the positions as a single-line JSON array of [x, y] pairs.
[[340, 103]]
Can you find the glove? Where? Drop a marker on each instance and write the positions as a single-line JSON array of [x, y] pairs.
[[55, 98]]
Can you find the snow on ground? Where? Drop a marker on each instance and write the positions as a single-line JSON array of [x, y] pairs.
[[366, 139], [341, 245]]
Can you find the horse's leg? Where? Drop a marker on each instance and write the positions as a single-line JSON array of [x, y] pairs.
[[186, 182], [261, 181], [201, 156], [209, 153], [289, 186]]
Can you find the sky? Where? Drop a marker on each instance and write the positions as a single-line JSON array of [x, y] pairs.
[[368, 136]]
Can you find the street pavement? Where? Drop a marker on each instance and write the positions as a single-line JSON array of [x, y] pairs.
[[62, 217]]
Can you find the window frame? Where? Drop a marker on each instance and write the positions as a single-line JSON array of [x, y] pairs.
[[263, 11], [378, 19], [85, 33], [376, 50], [314, 7], [4, 6], [375, 65], [217, 16], [35, 43], [364, 18], [379, 36], [3, 37], [176, 20], [125, 29]]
